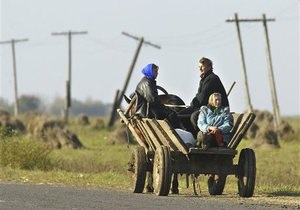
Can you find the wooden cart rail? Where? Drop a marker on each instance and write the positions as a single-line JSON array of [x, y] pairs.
[[242, 122], [152, 133]]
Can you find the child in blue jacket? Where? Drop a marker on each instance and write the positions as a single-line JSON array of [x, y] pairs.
[[215, 122]]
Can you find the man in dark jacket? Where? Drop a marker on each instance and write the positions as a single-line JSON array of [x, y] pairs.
[[209, 84], [149, 104]]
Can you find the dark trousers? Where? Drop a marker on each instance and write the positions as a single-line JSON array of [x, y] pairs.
[[206, 140], [168, 114]]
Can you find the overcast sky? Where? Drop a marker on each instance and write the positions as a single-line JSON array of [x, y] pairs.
[[185, 30]]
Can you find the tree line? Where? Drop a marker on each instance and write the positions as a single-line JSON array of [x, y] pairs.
[[32, 103]]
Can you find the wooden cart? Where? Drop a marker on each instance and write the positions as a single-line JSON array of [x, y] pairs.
[[162, 152]]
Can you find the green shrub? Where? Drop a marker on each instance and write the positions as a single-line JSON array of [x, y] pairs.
[[21, 153]]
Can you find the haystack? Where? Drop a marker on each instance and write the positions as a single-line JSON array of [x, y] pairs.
[[83, 120], [264, 132], [53, 133], [266, 137], [252, 131], [4, 116], [285, 130], [10, 127], [121, 135], [98, 123]]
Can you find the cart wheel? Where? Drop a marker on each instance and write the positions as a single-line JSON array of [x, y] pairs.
[[246, 172], [138, 167], [216, 184], [196, 184], [162, 172]]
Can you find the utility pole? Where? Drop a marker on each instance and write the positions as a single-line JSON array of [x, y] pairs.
[[246, 86], [13, 42], [68, 82], [119, 96], [264, 20], [271, 75]]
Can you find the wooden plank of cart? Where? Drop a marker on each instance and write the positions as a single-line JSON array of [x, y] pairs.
[[162, 152]]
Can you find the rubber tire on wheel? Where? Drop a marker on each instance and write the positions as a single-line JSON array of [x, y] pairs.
[[139, 163], [216, 184], [246, 172], [162, 171]]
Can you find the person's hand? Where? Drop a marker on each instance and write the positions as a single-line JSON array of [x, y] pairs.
[[213, 129]]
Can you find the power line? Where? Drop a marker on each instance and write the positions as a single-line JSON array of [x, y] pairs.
[[144, 42]]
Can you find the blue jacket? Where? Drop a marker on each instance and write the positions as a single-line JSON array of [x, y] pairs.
[[223, 120]]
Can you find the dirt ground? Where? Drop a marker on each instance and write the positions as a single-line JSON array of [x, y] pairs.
[[279, 200]]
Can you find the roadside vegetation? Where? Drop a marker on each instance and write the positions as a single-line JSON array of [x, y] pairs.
[[102, 164]]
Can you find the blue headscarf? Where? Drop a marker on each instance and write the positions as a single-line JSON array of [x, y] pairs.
[[148, 72]]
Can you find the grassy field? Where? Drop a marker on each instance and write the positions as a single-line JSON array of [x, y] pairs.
[[101, 164]]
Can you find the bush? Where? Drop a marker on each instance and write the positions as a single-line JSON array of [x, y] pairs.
[[21, 153]]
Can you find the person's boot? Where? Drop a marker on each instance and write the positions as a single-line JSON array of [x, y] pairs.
[[174, 188], [174, 191], [149, 187], [200, 138]]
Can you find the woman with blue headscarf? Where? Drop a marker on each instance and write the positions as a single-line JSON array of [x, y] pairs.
[[149, 104]]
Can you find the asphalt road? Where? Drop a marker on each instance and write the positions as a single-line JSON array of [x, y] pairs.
[[28, 196]]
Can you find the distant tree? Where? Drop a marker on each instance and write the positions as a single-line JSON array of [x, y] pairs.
[[5, 106], [30, 103], [57, 107], [89, 107]]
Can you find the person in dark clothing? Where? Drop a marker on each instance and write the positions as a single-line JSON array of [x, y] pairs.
[[209, 83], [149, 104]]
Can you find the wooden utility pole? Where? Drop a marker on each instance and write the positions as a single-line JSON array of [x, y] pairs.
[[276, 111], [68, 82], [114, 108], [246, 86], [13, 42], [118, 100]]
